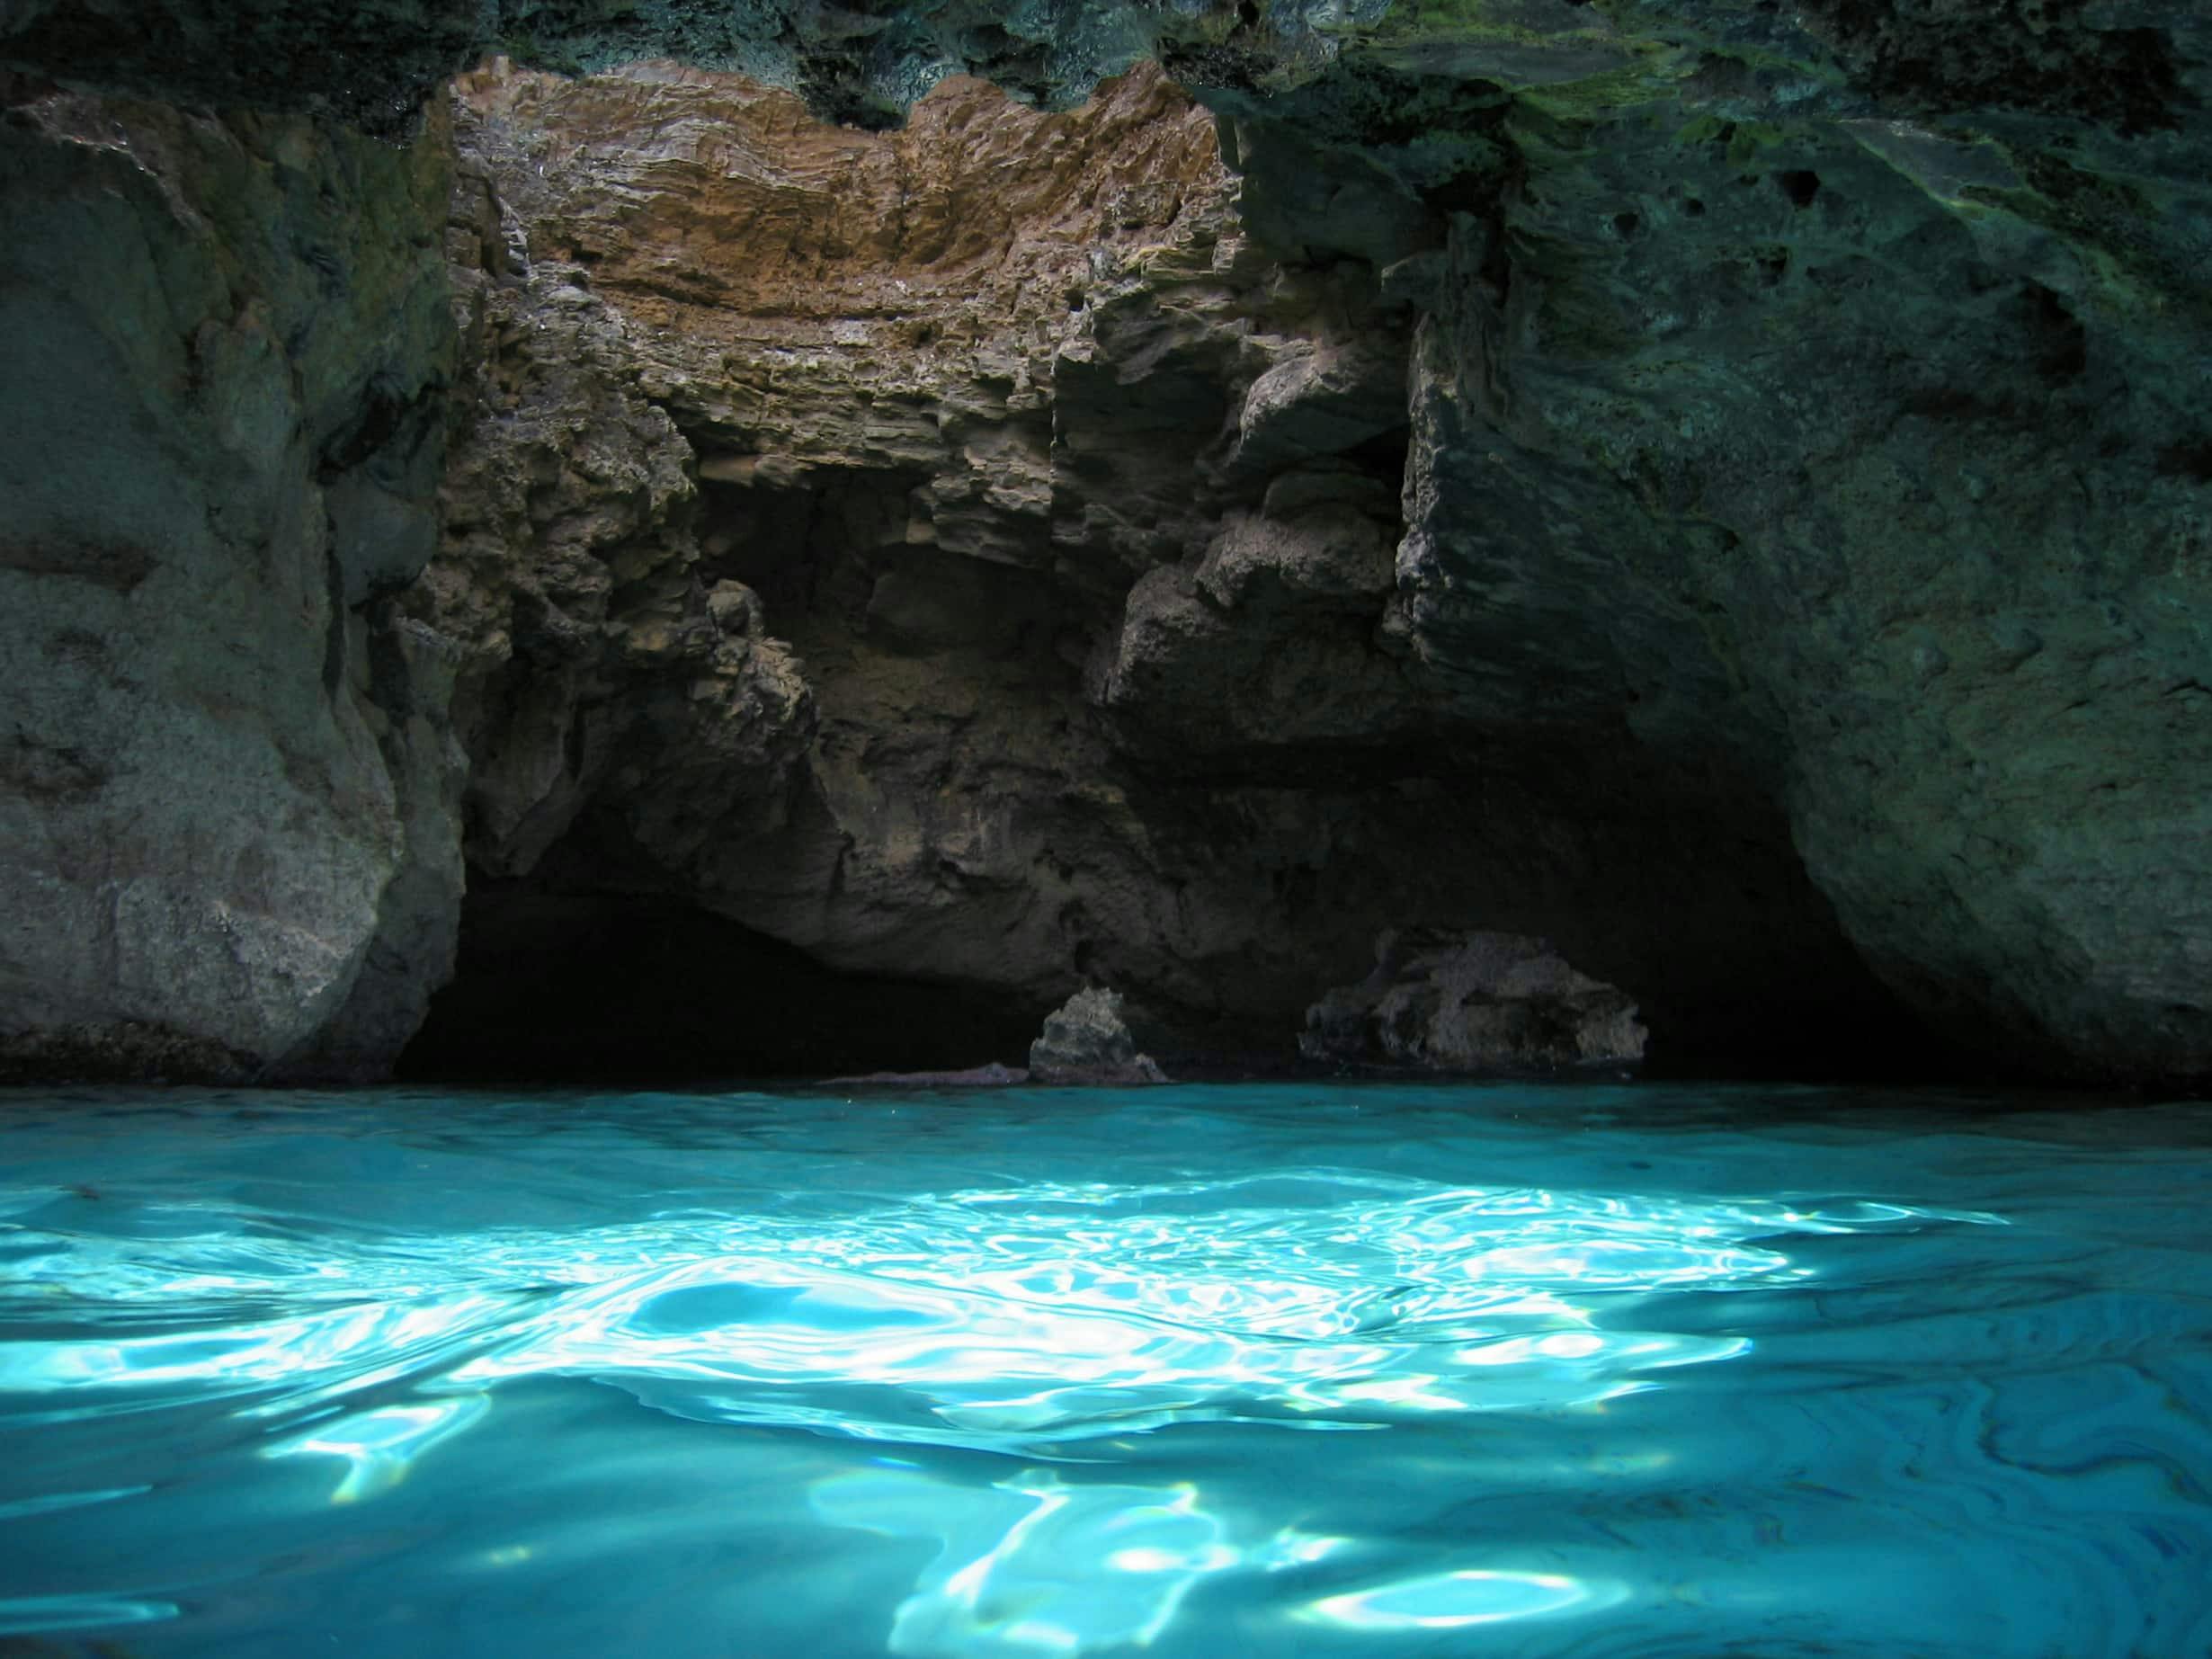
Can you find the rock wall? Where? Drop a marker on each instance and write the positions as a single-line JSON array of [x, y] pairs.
[[1052, 522], [1722, 488], [1860, 417], [227, 794]]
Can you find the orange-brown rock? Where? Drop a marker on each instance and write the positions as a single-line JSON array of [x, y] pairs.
[[1593, 470], [805, 297], [963, 553], [713, 205]]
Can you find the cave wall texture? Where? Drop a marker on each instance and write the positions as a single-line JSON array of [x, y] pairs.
[[228, 798], [1725, 487]]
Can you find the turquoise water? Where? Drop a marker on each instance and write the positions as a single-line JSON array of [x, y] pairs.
[[1371, 1372]]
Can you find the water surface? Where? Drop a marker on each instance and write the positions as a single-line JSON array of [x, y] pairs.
[[1296, 1370]]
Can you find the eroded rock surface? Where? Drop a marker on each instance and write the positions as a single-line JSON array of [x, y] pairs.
[[1068, 519], [1721, 487], [1086, 1040], [588, 647], [228, 798], [1473, 1002]]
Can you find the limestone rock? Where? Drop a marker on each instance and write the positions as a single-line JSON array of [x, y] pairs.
[[1723, 488], [1085, 1040], [1051, 529], [228, 794], [1473, 1002]]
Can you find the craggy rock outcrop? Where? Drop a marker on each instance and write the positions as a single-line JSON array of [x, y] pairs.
[[1086, 1040], [228, 796], [588, 645], [373, 62], [1626, 323], [1702, 481], [1473, 1002], [1077, 514]]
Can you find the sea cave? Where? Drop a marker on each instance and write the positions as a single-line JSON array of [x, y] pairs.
[[925, 827]]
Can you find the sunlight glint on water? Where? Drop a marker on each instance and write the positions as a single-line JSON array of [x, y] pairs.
[[1034, 1376], [997, 1319]]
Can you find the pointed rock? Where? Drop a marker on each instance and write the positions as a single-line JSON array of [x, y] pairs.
[[1085, 1040]]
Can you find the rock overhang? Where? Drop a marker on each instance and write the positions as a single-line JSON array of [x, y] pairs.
[[1609, 216]]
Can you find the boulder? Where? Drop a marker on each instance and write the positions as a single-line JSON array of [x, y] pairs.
[[1085, 1040]]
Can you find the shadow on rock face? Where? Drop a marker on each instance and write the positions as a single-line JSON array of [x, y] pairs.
[[1472, 1002], [576, 988]]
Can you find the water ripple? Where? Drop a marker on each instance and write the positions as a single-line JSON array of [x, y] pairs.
[[364, 1376], [1008, 1319]]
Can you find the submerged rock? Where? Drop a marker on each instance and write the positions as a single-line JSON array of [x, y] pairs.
[[992, 1076], [1086, 1040], [1473, 1002]]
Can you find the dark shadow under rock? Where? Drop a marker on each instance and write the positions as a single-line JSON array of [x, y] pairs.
[[1473, 1002], [569, 987]]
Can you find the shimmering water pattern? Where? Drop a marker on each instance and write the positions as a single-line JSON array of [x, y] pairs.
[[1299, 1370]]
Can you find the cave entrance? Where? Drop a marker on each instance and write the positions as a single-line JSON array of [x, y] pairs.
[[598, 987]]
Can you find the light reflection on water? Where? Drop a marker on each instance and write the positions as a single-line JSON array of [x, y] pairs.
[[1077, 1410], [1006, 1320]]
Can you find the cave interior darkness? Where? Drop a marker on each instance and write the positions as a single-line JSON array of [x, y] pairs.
[[604, 988], [597, 989]]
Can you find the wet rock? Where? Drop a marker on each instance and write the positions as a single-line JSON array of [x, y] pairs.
[[1085, 1040], [1473, 1002]]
